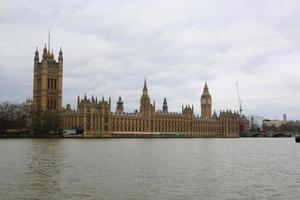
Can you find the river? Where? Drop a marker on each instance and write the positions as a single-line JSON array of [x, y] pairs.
[[192, 168]]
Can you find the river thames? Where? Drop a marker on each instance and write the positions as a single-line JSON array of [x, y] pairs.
[[243, 168]]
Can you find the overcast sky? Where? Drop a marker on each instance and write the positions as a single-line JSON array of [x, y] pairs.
[[110, 46]]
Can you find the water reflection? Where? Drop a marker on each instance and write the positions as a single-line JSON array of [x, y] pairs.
[[43, 166], [149, 169]]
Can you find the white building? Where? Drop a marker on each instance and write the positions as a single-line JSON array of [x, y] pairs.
[[277, 123]]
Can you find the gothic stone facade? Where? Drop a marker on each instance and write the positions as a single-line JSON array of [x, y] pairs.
[[47, 82], [97, 119]]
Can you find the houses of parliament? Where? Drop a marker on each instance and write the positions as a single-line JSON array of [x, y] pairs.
[[97, 119]]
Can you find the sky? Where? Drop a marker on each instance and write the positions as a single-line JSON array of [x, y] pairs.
[[110, 46]]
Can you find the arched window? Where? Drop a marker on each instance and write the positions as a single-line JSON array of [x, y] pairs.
[[55, 81], [51, 83], [48, 103], [51, 104], [54, 104], [48, 83]]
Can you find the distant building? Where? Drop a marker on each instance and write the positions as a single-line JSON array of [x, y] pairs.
[[255, 122], [277, 123], [244, 125], [284, 117]]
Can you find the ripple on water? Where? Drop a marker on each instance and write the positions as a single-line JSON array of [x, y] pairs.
[[150, 169]]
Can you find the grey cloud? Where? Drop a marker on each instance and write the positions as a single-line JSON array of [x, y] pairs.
[[110, 46]]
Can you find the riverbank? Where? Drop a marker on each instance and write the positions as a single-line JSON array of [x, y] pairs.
[[141, 135], [4, 136], [103, 136], [116, 135]]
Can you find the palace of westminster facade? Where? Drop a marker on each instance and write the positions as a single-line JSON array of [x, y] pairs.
[[96, 118]]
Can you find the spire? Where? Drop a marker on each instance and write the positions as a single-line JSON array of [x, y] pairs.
[[78, 100], [145, 84], [60, 57], [36, 55], [205, 90], [145, 90], [205, 86], [165, 102], [52, 55], [45, 49], [49, 40], [165, 105], [45, 52], [215, 115]]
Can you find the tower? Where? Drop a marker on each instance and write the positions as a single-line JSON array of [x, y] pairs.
[[284, 117], [205, 103], [165, 105], [120, 107], [47, 82], [145, 106]]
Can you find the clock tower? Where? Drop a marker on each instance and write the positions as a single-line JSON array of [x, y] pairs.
[[205, 103]]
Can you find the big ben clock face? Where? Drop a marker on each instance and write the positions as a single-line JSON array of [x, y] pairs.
[[209, 101], [203, 101]]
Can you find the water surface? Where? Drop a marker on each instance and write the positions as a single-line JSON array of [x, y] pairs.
[[244, 168]]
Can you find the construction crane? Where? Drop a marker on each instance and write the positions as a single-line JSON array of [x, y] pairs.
[[239, 98]]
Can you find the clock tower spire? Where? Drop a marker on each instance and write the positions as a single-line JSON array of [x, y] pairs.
[[205, 103]]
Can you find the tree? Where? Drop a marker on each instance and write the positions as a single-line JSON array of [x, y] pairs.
[[14, 116], [45, 123]]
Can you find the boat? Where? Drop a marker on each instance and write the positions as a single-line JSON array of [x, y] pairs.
[[297, 138]]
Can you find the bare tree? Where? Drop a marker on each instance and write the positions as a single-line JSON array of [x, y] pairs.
[[46, 123], [13, 116]]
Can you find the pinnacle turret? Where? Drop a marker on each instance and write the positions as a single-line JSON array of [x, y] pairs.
[[145, 89], [60, 57], [165, 105], [36, 54], [120, 106], [52, 54], [45, 52]]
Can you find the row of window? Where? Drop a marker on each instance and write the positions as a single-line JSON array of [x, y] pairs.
[[52, 83], [51, 104], [120, 124], [205, 128]]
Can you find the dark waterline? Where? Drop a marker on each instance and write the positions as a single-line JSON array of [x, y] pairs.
[[244, 168]]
